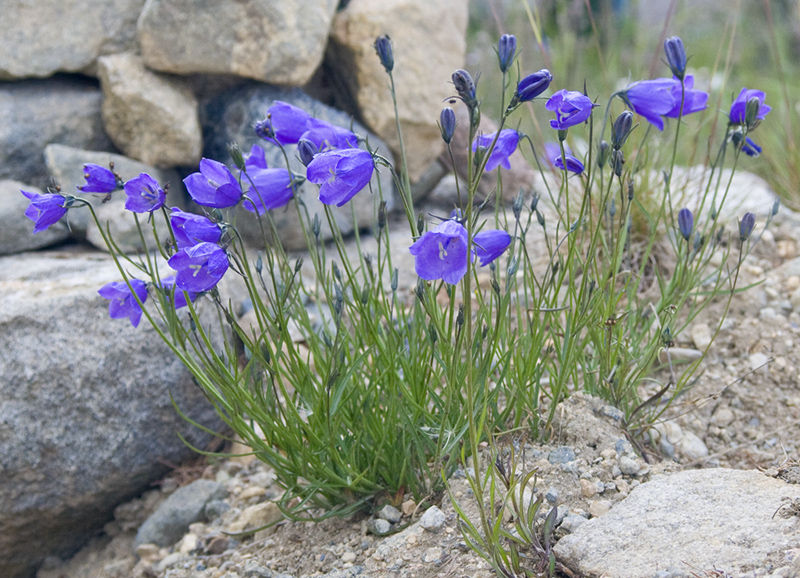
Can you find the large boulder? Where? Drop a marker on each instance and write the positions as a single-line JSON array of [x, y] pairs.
[[16, 232], [66, 167], [35, 113], [85, 412], [151, 117], [270, 40], [230, 118], [47, 36], [429, 45]]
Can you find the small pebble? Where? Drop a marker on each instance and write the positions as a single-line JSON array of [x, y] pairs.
[[252, 492], [623, 446], [147, 551], [701, 336], [433, 519], [218, 545], [433, 555], [628, 466], [188, 543], [599, 507], [390, 514], [408, 507], [348, 557], [215, 508], [551, 496], [379, 527], [588, 489], [561, 455]]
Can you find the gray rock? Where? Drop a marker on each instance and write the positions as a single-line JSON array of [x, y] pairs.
[[230, 119], [85, 412], [551, 496], [571, 522], [561, 455], [16, 231], [35, 113], [252, 569], [628, 466], [171, 519], [378, 526], [66, 166], [429, 44], [731, 513], [269, 40], [43, 37], [433, 519], [215, 508], [151, 117], [390, 514]]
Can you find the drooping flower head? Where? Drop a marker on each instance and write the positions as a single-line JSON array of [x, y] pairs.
[[285, 123], [506, 144], [465, 87], [750, 148], [123, 303], [144, 194], [199, 267], [693, 100], [214, 186], [45, 210], [190, 229], [256, 160], [676, 56], [685, 223], [269, 189], [571, 108], [341, 174], [739, 107], [327, 136], [506, 49], [573, 164], [489, 245], [652, 99], [98, 179], [168, 285], [552, 150], [532, 86]]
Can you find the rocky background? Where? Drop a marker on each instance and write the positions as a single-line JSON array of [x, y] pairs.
[[86, 420]]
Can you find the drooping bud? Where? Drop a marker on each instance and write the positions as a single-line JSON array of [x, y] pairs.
[[746, 226], [685, 223], [506, 49], [676, 56], [447, 124], [383, 46], [622, 129]]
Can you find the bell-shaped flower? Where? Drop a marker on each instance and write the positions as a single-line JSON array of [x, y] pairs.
[[533, 85], [327, 136], [341, 174], [573, 164], [144, 194], [652, 99], [256, 160], [98, 179], [123, 303], [44, 210], [199, 267], [571, 108], [693, 100], [739, 106], [214, 186], [269, 189], [505, 146], [552, 151], [750, 148], [489, 245], [190, 229], [285, 123]]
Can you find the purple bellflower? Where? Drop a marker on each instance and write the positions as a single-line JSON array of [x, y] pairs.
[[98, 179], [676, 56], [144, 194], [306, 150], [214, 186], [256, 160], [573, 164], [44, 210], [447, 124], [442, 252], [571, 108], [200, 267], [653, 99], [746, 226], [341, 174], [123, 303], [506, 144], [190, 229], [750, 148], [685, 223], [285, 123], [533, 85], [552, 150], [739, 106], [693, 100], [327, 136], [269, 189], [167, 284], [506, 49]]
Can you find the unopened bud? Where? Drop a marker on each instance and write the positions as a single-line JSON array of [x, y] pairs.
[[622, 129], [306, 150], [383, 46], [676, 56], [447, 124], [746, 226], [506, 49], [236, 155]]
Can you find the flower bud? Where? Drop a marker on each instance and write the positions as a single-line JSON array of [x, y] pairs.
[[622, 129], [306, 149], [532, 86], [751, 113], [676, 56], [382, 215], [603, 154], [540, 218], [236, 155], [617, 161], [746, 226], [383, 46], [517, 206], [465, 87], [506, 50], [631, 189], [685, 223], [447, 124], [776, 206], [264, 129], [393, 283], [534, 202]]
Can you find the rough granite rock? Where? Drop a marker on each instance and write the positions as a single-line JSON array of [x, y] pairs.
[[270, 40], [66, 167], [429, 41], [230, 119], [692, 521], [35, 113], [151, 117], [46, 36], [85, 410], [16, 230]]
